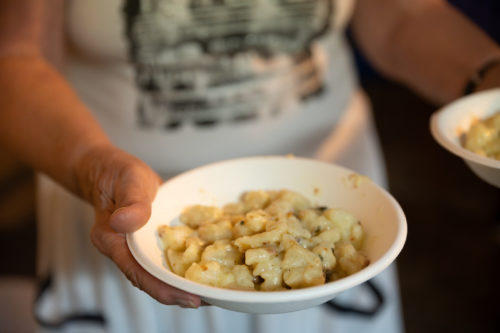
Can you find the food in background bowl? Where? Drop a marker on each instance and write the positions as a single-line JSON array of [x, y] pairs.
[[267, 241], [483, 137]]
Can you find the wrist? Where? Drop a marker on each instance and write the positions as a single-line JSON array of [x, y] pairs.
[[486, 76], [490, 80]]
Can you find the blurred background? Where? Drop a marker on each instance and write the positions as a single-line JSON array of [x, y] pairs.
[[449, 268]]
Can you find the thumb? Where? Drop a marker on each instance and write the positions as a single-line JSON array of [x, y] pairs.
[[131, 217], [133, 194]]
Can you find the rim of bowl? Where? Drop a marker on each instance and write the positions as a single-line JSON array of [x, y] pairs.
[[243, 296], [453, 147]]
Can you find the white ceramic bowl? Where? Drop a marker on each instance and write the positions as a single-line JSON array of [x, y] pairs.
[[450, 123], [323, 183]]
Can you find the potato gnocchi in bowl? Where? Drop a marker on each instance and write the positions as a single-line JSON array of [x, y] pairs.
[[483, 137], [266, 241], [218, 186]]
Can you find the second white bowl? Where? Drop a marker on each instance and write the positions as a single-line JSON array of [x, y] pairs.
[[449, 124]]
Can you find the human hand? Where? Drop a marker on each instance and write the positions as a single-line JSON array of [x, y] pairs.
[[121, 189]]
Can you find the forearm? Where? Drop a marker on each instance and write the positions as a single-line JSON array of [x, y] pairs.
[[42, 121], [427, 45]]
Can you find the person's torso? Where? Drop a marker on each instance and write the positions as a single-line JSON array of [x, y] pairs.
[[180, 83]]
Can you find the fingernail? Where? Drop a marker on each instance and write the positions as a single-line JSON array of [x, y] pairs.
[[186, 303]]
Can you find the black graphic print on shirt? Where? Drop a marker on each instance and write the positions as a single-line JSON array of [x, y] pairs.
[[219, 61]]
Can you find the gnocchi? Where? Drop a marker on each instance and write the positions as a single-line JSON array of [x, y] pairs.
[[483, 137], [268, 240]]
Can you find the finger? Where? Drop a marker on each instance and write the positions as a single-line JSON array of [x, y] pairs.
[[137, 183], [115, 247], [130, 218], [133, 195]]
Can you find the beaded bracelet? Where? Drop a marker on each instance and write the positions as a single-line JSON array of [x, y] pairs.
[[478, 76]]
